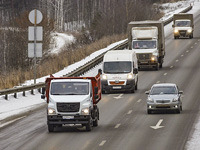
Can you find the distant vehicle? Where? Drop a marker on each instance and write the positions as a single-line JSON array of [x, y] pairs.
[[183, 25], [147, 40], [120, 71], [72, 100], [164, 96]]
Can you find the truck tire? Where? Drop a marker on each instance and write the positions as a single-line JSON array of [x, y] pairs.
[[160, 65], [178, 111], [103, 91], [136, 86], [133, 90], [89, 125], [157, 67], [95, 123], [50, 127], [149, 111]]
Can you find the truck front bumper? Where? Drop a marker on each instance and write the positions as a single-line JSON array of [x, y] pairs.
[[147, 64], [64, 119], [182, 33], [130, 85]]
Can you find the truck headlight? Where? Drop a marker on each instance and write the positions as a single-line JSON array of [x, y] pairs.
[[189, 30], [85, 111], [130, 76], [51, 111], [176, 31], [104, 77], [153, 58]]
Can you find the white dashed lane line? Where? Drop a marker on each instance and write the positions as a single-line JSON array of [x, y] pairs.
[[182, 55], [165, 74], [177, 60], [187, 51], [129, 112], [158, 82], [117, 126], [171, 67], [139, 100], [192, 47], [102, 143]]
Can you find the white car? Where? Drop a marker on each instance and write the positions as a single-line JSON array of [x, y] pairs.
[[164, 96]]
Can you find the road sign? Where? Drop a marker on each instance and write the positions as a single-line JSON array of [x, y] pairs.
[[35, 16], [39, 33], [38, 52]]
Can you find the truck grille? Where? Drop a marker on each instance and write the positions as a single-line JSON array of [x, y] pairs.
[[68, 107], [144, 56], [163, 101], [182, 32]]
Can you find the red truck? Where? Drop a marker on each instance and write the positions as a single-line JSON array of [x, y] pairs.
[[72, 100]]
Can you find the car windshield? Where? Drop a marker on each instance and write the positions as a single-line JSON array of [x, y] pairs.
[[69, 88], [117, 67], [160, 90], [147, 44], [182, 23]]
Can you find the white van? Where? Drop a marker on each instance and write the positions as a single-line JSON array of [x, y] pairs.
[[120, 71]]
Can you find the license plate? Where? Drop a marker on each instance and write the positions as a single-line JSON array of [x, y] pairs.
[[68, 117], [117, 87]]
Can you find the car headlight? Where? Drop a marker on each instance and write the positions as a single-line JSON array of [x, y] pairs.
[[189, 30], [175, 100], [104, 77], [130, 76], [175, 31], [85, 111], [150, 100], [51, 111]]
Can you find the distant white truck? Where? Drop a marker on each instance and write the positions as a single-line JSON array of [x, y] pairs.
[[120, 71], [146, 39], [183, 25]]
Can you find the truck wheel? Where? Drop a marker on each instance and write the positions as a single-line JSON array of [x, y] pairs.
[[175, 37], [95, 123], [50, 128], [178, 111], [89, 125], [133, 90], [157, 66], [136, 86], [103, 91], [160, 65]]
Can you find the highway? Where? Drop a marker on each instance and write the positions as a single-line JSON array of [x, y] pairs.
[[124, 122]]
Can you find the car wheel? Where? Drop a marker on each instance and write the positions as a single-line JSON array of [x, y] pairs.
[[149, 111]]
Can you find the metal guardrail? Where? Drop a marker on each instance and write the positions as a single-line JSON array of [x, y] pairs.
[[79, 71]]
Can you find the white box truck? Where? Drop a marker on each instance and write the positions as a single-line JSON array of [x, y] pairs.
[[147, 40], [120, 71]]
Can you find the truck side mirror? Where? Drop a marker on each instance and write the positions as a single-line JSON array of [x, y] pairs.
[[173, 26], [100, 71], [42, 96], [96, 90], [147, 92], [43, 90], [135, 70], [180, 92]]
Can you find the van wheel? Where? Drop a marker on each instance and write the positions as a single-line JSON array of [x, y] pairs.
[[89, 125], [148, 111], [133, 90], [136, 86], [50, 128], [178, 111]]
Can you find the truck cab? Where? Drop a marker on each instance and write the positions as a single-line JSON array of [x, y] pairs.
[[120, 71], [72, 101], [183, 25]]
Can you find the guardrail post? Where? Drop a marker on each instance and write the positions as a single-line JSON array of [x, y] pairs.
[[6, 97], [32, 92], [15, 95], [39, 90]]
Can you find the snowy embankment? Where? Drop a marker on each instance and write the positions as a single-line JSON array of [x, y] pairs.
[[23, 104]]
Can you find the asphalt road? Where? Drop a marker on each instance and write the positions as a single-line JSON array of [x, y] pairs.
[[124, 123]]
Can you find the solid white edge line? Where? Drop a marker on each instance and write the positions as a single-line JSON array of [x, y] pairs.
[[9, 122], [117, 126], [129, 112], [165, 74]]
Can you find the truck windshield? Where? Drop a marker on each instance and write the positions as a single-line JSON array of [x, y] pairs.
[[117, 67], [147, 44], [160, 90], [181, 23], [70, 88]]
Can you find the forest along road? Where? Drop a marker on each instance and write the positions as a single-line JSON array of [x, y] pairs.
[[124, 122]]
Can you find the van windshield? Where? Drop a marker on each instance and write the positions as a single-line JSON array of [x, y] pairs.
[[181, 23], [69, 88], [117, 67], [144, 44]]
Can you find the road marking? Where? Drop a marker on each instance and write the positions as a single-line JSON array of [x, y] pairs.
[[195, 43], [158, 125], [117, 126], [158, 82], [171, 67], [165, 74], [187, 51], [9, 122], [118, 97], [182, 55], [177, 60], [129, 112], [139, 100], [198, 40], [102, 143], [192, 47]]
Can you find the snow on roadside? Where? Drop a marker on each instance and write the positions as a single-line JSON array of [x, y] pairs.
[[59, 41]]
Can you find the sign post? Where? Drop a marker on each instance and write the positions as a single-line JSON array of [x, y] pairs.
[[35, 34]]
